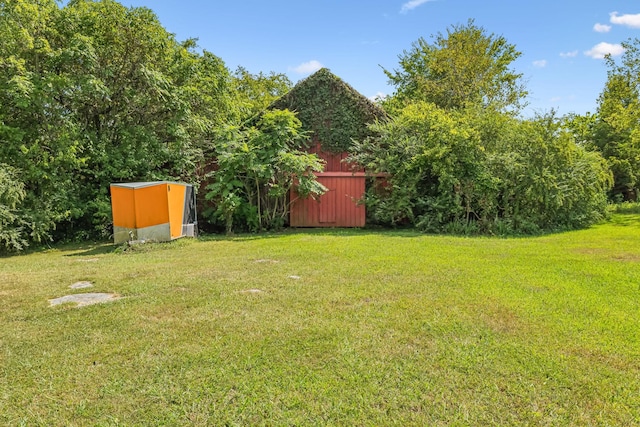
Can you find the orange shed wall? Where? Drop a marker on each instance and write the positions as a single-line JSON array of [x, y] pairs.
[[176, 194], [337, 208], [123, 207], [151, 206]]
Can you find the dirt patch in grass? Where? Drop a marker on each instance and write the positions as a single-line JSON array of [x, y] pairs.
[[252, 291], [626, 257], [605, 254]]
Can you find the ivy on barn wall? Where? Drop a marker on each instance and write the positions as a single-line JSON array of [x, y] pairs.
[[332, 111]]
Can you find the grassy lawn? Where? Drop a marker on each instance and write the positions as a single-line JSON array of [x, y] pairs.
[[349, 328]]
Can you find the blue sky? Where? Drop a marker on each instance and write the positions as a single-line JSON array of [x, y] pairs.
[[562, 41]]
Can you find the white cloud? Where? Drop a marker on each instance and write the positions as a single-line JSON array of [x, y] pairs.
[[571, 54], [378, 96], [632, 21], [558, 98], [541, 63], [410, 5], [307, 67], [601, 49], [601, 28]]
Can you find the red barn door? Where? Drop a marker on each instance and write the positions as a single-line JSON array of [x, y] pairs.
[[338, 207]]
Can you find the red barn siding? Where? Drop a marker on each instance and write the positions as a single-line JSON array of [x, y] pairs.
[[338, 207], [334, 162]]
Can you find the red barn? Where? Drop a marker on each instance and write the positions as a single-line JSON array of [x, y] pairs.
[[334, 114], [340, 206]]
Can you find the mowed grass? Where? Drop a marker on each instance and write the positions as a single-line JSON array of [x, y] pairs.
[[350, 328]]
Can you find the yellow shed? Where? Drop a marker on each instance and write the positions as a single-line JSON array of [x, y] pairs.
[[159, 211]]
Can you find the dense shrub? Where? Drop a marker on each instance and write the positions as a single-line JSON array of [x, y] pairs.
[[481, 171]]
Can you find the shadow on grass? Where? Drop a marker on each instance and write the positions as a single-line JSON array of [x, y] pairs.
[[625, 219], [377, 231], [86, 249], [100, 249], [615, 219], [626, 208], [335, 232]]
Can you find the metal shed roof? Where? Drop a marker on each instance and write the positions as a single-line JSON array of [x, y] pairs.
[[143, 184]]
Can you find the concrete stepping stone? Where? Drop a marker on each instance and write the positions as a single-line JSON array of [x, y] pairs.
[[84, 299], [81, 285]]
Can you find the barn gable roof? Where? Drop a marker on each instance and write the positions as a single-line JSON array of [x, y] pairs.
[[331, 110]]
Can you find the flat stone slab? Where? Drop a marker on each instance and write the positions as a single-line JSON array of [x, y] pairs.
[[81, 285], [84, 299]]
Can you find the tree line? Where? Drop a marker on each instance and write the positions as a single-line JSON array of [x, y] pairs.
[[93, 92], [461, 159]]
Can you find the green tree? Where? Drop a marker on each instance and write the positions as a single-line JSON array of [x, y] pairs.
[[94, 93], [12, 225], [459, 159], [436, 166], [255, 92], [466, 66], [476, 170], [207, 87], [616, 132], [118, 67], [37, 135], [546, 180], [256, 168]]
